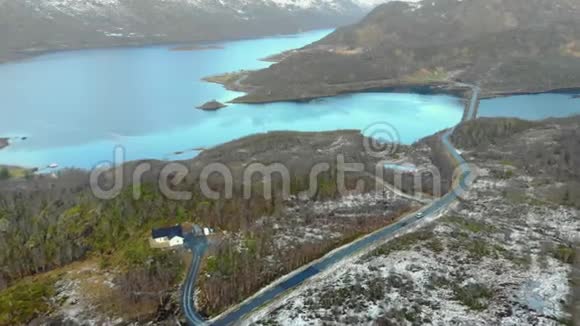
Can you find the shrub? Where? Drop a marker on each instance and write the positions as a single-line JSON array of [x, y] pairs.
[[436, 245], [26, 300], [478, 249], [4, 173], [404, 242], [565, 254], [474, 295], [471, 225]]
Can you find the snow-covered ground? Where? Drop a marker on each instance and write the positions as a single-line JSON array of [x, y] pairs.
[[493, 259], [76, 292]]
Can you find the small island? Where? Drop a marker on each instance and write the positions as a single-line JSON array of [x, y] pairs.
[[212, 106]]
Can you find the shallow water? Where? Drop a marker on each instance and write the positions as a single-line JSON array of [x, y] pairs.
[[75, 107]]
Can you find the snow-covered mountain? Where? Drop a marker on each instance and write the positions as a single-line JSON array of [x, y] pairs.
[[340, 7], [79, 6], [29, 26]]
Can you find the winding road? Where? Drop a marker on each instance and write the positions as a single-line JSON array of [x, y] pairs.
[[298, 277], [197, 245]]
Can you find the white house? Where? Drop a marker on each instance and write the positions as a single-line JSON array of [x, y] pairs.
[[170, 237], [160, 240], [176, 241]]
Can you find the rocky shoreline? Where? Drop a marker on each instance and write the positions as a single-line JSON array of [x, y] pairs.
[[197, 47], [573, 91], [235, 82]]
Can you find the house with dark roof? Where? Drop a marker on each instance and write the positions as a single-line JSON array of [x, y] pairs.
[[169, 232], [169, 237]]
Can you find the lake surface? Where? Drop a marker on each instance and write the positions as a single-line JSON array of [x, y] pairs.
[[75, 107], [531, 107]]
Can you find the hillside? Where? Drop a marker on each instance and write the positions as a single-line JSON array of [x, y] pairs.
[[508, 46], [30, 27], [506, 254], [70, 257], [508, 244]]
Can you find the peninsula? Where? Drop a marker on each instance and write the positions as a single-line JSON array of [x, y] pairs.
[[424, 45]]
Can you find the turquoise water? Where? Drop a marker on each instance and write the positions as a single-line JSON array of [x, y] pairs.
[[531, 107], [75, 107]]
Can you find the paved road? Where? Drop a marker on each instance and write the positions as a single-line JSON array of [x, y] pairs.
[[473, 104], [331, 259], [197, 245], [474, 99]]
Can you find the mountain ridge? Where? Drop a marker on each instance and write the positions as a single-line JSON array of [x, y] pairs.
[[31, 27], [509, 46]]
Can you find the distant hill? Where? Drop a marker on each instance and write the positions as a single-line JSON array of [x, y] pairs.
[[506, 45], [32, 26]]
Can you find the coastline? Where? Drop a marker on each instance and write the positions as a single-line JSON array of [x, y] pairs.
[[278, 57], [25, 55], [206, 43], [235, 82], [574, 92], [196, 47]]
